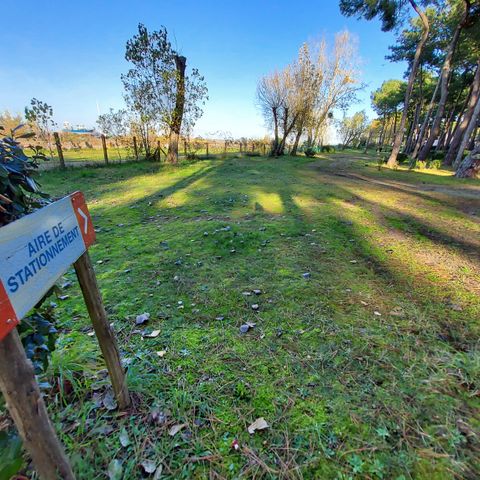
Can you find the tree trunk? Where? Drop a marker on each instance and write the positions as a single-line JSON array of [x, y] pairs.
[[367, 143], [413, 129], [392, 161], [444, 80], [463, 124], [424, 126], [177, 117], [297, 140], [468, 132], [470, 166]]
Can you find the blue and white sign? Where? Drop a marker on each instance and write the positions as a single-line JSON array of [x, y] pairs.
[[36, 250]]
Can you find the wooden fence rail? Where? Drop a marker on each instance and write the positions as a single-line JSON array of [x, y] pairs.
[[107, 151]]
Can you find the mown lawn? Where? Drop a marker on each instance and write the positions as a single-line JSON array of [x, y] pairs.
[[364, 358]]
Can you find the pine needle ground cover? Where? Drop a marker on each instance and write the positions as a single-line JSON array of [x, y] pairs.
[[334, 306]]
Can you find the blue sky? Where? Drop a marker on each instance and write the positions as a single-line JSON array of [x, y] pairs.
[[71, 54]]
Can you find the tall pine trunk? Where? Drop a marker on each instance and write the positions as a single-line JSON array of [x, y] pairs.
[[472, 125], [177, 117], [426, 120], [444, 80], [464, 122], [392, 161]]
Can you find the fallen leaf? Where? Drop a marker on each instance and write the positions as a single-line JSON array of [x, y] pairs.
[[142, 318], [123, 437], [244, 328], [258, 424], [176, 428], [153, 334], [158, 472], [109, 401], [161, 353], [115, 470], [149, 466]]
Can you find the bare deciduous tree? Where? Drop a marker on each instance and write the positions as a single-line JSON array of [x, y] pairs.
[[300, 98]]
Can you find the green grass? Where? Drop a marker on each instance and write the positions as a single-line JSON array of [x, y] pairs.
[[369, 368]]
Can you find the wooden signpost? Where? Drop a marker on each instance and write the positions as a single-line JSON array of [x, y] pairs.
[[34, 252]]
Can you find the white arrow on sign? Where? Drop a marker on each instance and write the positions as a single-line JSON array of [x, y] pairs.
[[85, 228]]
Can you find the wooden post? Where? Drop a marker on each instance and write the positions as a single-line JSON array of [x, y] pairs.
[[185, 147], [27, 408], [104, 145], [264, 149], [135, 148], [240, 145], [225, 147], [58, 144], [159, 149], [106, 339], [207, 148]]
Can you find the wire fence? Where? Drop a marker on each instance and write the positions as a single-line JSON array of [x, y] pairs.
[[67, 149]]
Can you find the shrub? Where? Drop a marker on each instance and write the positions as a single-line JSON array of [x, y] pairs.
[[402, 157], [434, 164], [327, 149], [252, 154], [309, 152]]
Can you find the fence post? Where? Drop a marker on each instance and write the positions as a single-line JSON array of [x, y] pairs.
[[159, 149], [185, 147], [264, 147], [58, 144], [240, 145], [27, 408], [106, 339], [104, 146], [135, 148], [225, 148], [207, 148]]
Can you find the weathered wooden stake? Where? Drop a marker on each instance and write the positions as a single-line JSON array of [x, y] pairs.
[[225, 147], [263, 149], [58, 144], [159, 149], [106, 339], [104, 145], [207, 149], [135, 148], [27, 408]]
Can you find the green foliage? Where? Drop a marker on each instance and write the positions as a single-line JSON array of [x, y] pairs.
[[38, 334], [402, 157], [435, 164], [389, 96], [20, 192], [389, 12], [11, 455]]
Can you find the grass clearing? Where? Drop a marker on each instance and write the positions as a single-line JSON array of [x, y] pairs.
[[367, 368]]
